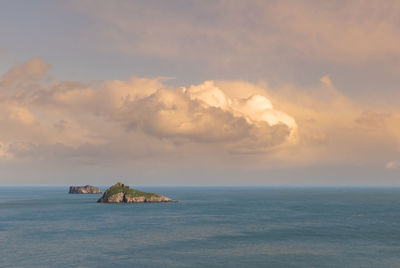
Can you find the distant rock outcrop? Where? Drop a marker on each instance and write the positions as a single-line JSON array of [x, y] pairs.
[[87, 189], [120, 193]]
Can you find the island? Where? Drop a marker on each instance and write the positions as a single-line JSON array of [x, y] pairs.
[[87, 189], [121, 193]]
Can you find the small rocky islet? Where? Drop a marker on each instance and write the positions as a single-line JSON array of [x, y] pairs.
[[121, 193], [87, 189]]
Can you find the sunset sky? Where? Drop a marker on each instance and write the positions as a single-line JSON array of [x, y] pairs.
[[200, 92]]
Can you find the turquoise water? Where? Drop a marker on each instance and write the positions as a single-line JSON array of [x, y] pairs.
[[209, 227]]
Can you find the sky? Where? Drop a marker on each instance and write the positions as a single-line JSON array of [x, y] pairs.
[[200, 92]]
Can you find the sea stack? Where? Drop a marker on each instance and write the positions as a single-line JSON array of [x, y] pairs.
[[87, 189], [121, 193]]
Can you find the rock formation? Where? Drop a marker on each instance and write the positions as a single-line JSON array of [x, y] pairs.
[[120, 193], [87, 189]]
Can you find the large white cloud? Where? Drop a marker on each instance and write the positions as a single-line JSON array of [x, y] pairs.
[[205, 113], [37, 115], [138, 117]]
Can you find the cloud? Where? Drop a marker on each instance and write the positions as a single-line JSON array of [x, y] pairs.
[[29, 70], [236, 32], [357, 43], [142, 118], [66, 115], [393, 165], [209, 94], [3, 151], [203, 113], [326, 80], [334, 129], [21, 115], [373, 120]]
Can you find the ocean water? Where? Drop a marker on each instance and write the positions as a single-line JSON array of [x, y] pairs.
[[209, 227]]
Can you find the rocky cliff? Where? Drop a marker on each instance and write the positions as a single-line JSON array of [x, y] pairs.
[[120, 193], [87, 189]]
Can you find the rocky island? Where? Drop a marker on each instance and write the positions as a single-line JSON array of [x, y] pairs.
[[87, 189], [120, 193]]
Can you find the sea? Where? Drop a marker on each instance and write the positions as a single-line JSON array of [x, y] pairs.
[[43, 226]]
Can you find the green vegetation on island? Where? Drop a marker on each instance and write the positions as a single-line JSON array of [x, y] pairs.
[[121, 193]]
